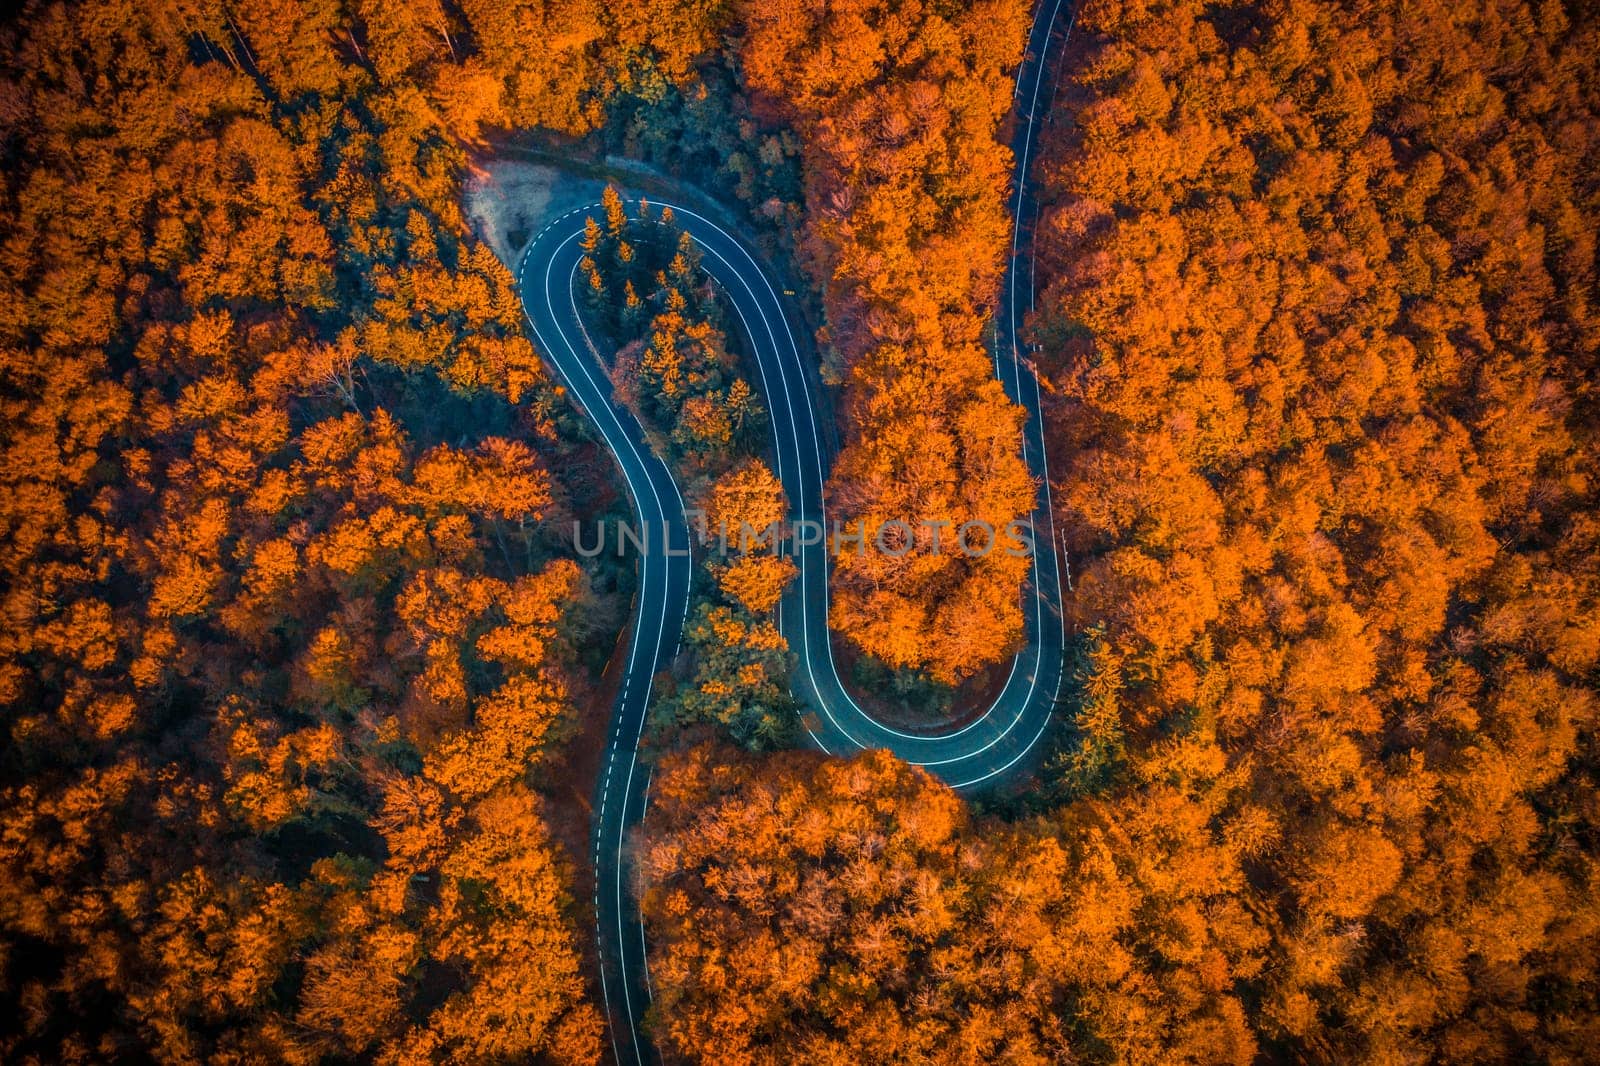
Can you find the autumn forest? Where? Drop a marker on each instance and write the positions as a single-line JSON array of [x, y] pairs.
[[313, 703]]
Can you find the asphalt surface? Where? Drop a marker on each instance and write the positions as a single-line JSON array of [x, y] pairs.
[[977, 755]]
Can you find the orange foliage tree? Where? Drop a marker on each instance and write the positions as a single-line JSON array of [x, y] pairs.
[[899, 106], [1322, 350]]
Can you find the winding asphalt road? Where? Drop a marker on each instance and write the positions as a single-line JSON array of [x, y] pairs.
[[973, 756]]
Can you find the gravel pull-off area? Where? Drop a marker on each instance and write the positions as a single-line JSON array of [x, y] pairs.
[[506, 202]]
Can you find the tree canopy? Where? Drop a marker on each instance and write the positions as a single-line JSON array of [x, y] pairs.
[[1318, 339]]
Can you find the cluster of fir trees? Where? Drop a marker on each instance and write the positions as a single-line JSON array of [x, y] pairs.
[[284, 627], [1321, 342], [676, 371], [713, 133], [643, 288]]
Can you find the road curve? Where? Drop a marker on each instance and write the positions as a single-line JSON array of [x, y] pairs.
[[973, 756]]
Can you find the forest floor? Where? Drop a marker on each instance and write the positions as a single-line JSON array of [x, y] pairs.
[[569, 794]]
